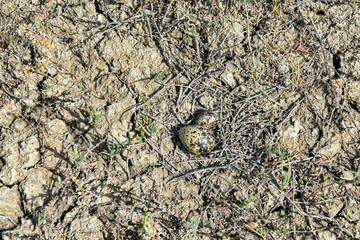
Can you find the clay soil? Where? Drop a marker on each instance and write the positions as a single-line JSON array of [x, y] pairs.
[[93, 93]]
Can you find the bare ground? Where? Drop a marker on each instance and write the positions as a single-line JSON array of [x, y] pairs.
[[94, 92]]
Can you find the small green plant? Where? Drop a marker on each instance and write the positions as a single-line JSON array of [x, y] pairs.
[[94, 116], [283, 155], [329, 203], [112, 148], [141, 134], [264, 232], [44, 86], [147, 230], [193, 35], [74, 157], [250, 199], [159, 75], [150, 128], [285, 176], [285, 228], [86, 10], [45, 26], [89, 48], [357, 175], [40, 217], [193, 228], [210, 62]]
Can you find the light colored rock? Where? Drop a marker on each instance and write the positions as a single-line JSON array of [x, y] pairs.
[[19, 153], [326, 235], [26, 230], [207, 101], [228, 78], [330, 146], [10, 207], [87, 228], [141, 66], [352, 212], [291, 136], [57, 140], [8, 111], [336, 206], [354, 93], [38, 188]]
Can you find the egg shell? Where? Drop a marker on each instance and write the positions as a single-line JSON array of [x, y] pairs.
[[197, 140]]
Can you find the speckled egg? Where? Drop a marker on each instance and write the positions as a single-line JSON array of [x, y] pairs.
[[199, 138]]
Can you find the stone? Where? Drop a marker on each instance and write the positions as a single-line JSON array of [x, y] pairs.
[[10, 207]]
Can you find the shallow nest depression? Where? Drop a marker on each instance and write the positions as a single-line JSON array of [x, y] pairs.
[[93, 94]]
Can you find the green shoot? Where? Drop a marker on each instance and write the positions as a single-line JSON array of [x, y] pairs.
[[110, 147], [285, 229], [329, 203], [285, 177], [211, 62], [193, 35], [159, 75], [94, 116], [150, 128], [147, 230], [86, 10], [45, 26], [74, 155], [141, 134], [264, 232], [193, 228], [44, 86], [40, 217], [357, 175], [250, 199]]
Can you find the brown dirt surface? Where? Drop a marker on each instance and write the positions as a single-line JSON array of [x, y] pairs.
[[93, 94]]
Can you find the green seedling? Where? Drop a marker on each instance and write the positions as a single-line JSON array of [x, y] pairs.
[[193, 35], [44, 86], [285, 228], [141, 134], [147, 230], [45, 26], [74, 155], [112, 148], [150, 128], [159, 75], [86, 10], [12, 42], [153, 129], [285, 176], [357, 175], [89, 48], [283, 155], [211, 62], [250, 199], [264, 232], [40, 217], [329, 203], [193, 228], [268, 176], [94, 116]]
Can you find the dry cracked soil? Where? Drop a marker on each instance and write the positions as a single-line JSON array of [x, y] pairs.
[[93, 93]]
